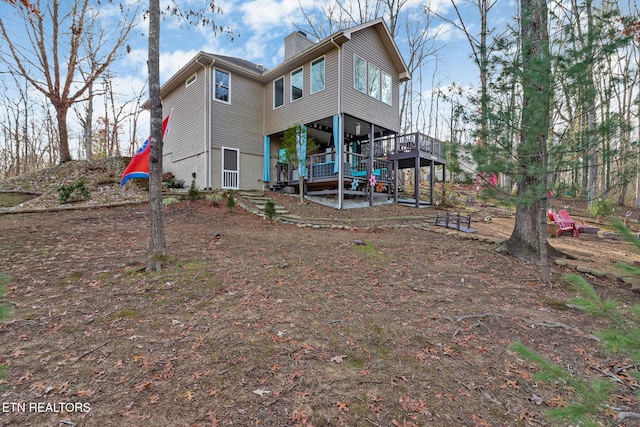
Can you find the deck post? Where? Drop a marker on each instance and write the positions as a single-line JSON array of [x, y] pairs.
[[371, 157], [432, 180], [416, 181], [395, 180], [266, 171], [338, 140]]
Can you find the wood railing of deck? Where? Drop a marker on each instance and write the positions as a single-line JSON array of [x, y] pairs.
[[407, 143]]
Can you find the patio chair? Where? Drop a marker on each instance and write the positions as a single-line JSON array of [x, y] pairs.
[[580, 225], [563, 225]]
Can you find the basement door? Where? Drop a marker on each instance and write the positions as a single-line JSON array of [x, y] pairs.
[[230, 168]]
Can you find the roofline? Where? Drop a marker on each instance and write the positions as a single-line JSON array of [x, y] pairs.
[[202, 59], [339, 38]]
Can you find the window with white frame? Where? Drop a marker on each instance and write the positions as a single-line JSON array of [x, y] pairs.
[[297, 84], [386, 91], [278, 92], [191, 80], [360, 74], [374, 81], [317, 75], [221, 89]]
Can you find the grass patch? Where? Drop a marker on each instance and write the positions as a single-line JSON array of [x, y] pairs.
[[9, 200], [369, 250], [125, 313], [554, 303]]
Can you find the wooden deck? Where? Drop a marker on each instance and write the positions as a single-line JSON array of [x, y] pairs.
[[376, 163]]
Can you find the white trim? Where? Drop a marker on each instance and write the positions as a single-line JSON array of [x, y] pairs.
[[301, 70], [382, 77], [371, 67], [365, 89], [274, 92], [228, 101], [230, 179], [191, 79], [324, 74]]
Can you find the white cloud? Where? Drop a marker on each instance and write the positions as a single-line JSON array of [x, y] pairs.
[[171, 62], [265, 15]]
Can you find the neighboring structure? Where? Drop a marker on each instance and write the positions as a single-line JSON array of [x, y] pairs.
[[229, 116]]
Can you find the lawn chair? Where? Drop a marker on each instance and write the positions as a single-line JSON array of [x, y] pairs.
[[580, 225], [563, 225]]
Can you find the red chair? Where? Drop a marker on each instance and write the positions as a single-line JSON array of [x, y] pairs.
[[563, 225], [580, 225]]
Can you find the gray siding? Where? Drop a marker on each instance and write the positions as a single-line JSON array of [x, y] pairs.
[[186, 136], [239, 123], [368, 46], [308, 108]]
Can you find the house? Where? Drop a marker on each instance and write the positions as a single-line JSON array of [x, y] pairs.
[[229, 116]]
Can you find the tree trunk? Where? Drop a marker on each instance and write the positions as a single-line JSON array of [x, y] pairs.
[[87, 124], [638, 175], [591, 108], [61, 114], [527, 239], [157, 245]]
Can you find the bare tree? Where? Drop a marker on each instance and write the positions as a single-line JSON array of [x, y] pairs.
[[481, 47], [55, 53]]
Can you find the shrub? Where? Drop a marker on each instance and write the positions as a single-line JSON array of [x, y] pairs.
[[270, 210], [175, 183], [231, 202], [167, 201], [193, 193], [214, 198], [77, 189], [601, 208]]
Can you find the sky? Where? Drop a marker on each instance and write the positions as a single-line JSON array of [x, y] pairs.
[[258, 28]]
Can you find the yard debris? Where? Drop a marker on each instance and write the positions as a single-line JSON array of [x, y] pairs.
[[339, 359], [260, 392]]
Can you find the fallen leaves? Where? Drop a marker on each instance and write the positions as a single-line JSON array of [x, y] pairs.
[[260, 392], [343, 406], [415, 405], [339, 359]]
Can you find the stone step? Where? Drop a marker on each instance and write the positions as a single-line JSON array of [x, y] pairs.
[[249, 193], [280, 211], [263, 206], [291, 216]]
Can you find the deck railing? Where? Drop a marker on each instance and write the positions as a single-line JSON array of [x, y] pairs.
[[321, 167], [408, 143], [356, 166]]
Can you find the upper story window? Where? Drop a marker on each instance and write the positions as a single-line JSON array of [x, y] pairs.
[[360, 74], [278, 92], [374, 81], [386, 89], [297, 81], [317, 75], [191, 80], [222, 86]]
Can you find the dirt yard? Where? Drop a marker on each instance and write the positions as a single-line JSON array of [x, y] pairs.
[[275, 324]]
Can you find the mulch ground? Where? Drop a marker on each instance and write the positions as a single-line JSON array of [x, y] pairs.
[[278, 325]]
